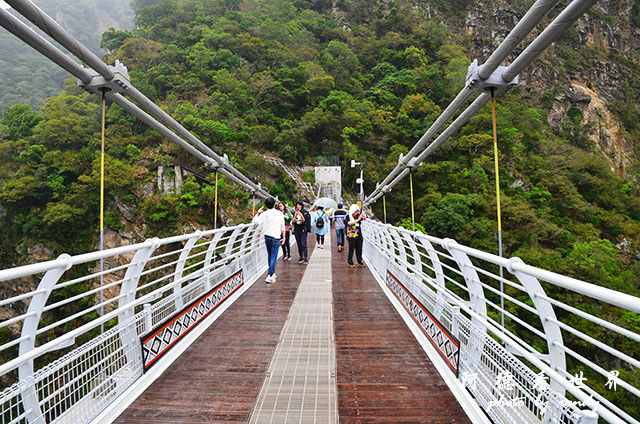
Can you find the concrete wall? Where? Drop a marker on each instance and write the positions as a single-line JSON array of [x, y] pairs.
[[329, 178]]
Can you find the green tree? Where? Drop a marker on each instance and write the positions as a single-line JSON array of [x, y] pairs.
[[19, 121]]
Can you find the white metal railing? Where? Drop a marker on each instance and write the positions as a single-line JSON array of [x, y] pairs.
[[532, 369], [522, 372], [65, 369]]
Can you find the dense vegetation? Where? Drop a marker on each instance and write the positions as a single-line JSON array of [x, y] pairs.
[[28, 77], [292, 77]]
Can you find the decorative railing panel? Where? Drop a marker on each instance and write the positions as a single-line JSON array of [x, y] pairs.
[[522, 371], [161, 339], [67, 359], [445, 343]]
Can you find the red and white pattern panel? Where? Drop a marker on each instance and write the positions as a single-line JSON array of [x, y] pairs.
[[162, 338], [445, 343]]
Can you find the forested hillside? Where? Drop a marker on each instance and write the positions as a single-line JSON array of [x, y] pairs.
[[28, 77], [362, 80]]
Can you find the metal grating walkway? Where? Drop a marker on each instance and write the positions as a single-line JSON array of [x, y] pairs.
[[300, 384]]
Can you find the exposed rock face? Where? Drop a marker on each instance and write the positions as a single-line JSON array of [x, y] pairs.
[[126, 209], [147, 190], [39, 253], [604, 55], [606, 132], [169, 182], [112, 239]]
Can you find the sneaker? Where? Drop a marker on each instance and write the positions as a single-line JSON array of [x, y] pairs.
[[269, 280], [352, 266], [306, 262], [301, 260], [362, 265], [289, 257]]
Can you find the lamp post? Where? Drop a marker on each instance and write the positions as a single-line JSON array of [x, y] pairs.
[[359, 180]]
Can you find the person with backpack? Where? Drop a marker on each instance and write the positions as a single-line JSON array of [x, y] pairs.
[[338, 219], [320, 225], [301, 227], [354, 235]]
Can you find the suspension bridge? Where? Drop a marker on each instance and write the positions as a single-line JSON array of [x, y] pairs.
[[182, 329]]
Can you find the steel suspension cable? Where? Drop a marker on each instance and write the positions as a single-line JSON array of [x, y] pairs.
[[566, 18], [413, 218], [104, 106], [215, 204], [43, 21], [495, 157], [384, 207]]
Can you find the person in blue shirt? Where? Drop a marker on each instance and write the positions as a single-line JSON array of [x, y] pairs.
[[338, 218], [320, 224]]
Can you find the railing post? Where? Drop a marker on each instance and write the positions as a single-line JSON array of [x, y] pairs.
[[229, 251], [256, 253], [128, 292], [148, 317], [390, 246], [30, 400], [232, 239], [439, 274], [589, 417], [475, 345], [455, 321], [416, 280], [476, 292], [209, 256], [397, 238], [186, 250], [557, 358], [370, 247], [245, 258]]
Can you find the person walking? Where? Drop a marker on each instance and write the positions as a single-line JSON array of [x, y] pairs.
[[301, 227], [286, 246], [271, 222], [320, 224], [338, 219], [354, 235]]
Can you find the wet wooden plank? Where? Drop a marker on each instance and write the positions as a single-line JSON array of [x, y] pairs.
[[218, 378], [384, 376]]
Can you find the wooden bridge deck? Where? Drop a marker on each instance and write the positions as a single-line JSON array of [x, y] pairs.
[[383, 376]]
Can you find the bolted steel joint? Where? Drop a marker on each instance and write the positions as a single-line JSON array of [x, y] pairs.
[[119, 83], [494, 82], [413, 163]]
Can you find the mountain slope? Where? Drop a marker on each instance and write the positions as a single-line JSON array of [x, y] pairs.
[[28, 77]]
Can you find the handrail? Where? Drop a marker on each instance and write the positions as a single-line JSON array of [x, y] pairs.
[[159, 283], [383, 259]]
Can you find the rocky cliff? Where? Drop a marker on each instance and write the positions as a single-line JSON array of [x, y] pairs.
[[594, 68]]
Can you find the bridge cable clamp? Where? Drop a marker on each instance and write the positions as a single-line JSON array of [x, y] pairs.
[[494, 82], [119, 83]]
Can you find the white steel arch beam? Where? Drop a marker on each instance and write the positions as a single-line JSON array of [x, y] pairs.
[[30, 398]]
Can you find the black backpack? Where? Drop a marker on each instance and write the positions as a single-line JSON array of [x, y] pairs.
[[320, 222]]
